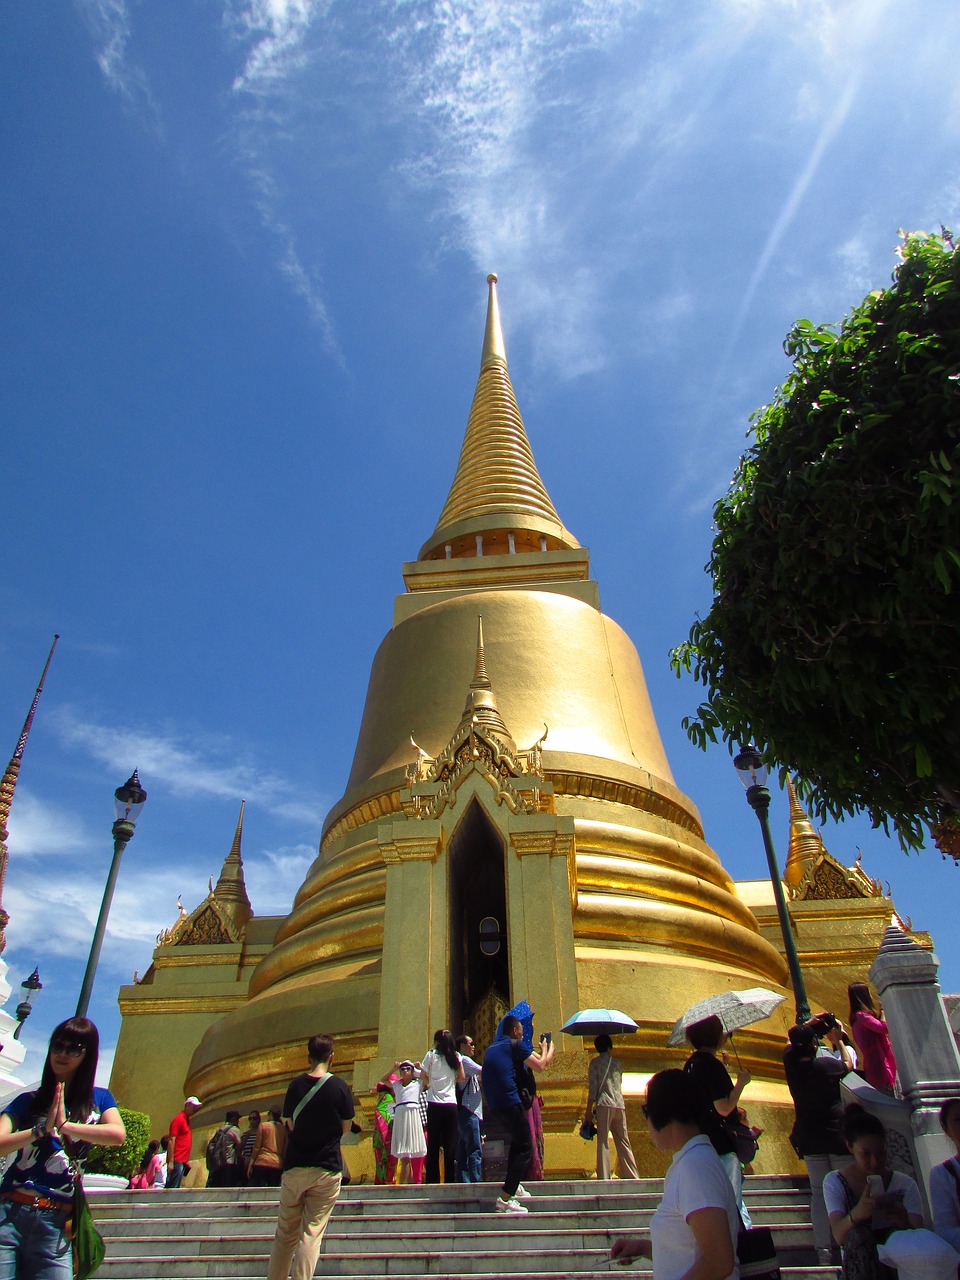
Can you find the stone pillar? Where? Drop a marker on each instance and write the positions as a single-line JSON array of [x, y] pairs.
[[928, 1063], [415, 950], [543, 966]]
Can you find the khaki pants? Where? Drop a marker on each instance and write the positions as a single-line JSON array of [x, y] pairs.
[[307, 1197], [612, 1121]]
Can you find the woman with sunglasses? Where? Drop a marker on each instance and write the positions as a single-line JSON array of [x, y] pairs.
[[693, 1234], [66, 1114]]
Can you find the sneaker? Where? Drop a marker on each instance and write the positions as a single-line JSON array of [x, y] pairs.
[[521, 1193], [512, 1205]]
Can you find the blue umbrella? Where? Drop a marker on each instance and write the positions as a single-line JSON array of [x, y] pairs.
[[525, 1014], [599, 1022]]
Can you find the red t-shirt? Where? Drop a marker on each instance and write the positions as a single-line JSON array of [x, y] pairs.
[[182, 1138]]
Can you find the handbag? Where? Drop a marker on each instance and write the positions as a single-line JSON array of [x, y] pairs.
[[745, 1143], [89, 1249], [757, 1254], [588, 1130]]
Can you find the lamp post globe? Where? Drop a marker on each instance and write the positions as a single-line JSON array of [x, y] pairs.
[[752, 772], [30, 987], [128, 802]]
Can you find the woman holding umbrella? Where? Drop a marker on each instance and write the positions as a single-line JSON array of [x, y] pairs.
[[710, 1073], [606, 1107]]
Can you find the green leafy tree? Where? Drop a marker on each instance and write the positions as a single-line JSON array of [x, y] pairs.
[[123, 1161], [833, 639]]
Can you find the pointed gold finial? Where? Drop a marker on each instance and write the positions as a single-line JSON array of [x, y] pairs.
[[497, 504], [480, 678], [231, 889], [480, 707], [806, 844], [493, 345]]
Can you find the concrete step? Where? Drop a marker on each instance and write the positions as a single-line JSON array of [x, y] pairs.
[[468, 1199], [547, 1262], [254, 1270], [411, 1231]]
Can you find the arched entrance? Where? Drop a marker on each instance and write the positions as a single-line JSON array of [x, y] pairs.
[[479, 960]]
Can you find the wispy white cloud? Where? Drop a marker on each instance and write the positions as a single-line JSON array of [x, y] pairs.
[[274, 877], [274, 30], [163, 758], [109, 22], [41, 829]]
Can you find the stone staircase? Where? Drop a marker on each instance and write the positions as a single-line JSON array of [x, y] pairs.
[[436, 1231]]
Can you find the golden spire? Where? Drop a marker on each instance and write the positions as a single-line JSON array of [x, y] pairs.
[[497, 503], [481, 706], [8, 784], [806, 844], [231, 890]]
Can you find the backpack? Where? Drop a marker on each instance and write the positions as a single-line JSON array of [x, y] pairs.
[[221, 1150]]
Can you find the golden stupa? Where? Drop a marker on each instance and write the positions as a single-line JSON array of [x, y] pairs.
[[510, 829]]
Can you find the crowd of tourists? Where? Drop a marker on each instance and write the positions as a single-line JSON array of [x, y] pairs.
[[430, 1116]]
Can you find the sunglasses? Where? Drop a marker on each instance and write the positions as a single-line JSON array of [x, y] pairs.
[[68, 1048]]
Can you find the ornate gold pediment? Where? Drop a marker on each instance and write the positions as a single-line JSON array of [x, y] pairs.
[[474, 749], [828, 880], [208, 926]]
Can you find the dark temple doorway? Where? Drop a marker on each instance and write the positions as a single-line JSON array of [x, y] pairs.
[[479, 963]]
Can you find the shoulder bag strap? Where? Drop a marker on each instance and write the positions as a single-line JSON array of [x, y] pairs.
[[603, 1079], [308, 1095]]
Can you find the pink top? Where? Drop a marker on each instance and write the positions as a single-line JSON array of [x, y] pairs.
[[877, 1063]]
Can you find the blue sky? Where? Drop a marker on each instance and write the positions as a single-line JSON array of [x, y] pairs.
[[243, 267]]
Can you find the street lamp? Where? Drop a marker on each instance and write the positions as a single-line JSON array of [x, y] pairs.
[[129, 800], [25, 1007], [753, 774]]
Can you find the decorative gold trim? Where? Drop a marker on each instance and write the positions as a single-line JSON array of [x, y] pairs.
[[134, 1006], [613, 792]]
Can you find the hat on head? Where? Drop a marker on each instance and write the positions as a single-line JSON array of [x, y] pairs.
[[406, 1065], [192, 1101]]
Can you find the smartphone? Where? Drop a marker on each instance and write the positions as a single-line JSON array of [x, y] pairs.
[[875, 1183], [547, 1038]]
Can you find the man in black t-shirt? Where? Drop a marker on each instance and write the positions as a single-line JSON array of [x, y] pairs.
[[317, 1111]]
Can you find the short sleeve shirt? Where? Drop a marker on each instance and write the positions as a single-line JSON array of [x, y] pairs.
[[714, 1079], [315, 1139], [695, 1180], [470, 1094], [182, 1138], [500, 1064], [43, 1167], [901, 1187], [604, 1081], [443, 1078]]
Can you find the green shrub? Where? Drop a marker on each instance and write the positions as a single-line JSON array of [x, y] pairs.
[[123, 1161]]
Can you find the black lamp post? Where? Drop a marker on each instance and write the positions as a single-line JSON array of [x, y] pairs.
[[130, 799], [753, 774], [25, 1007]]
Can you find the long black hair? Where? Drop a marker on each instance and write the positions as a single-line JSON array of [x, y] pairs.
[[78, 1097], [860, 1000], [445, 1046], [153, 1146]]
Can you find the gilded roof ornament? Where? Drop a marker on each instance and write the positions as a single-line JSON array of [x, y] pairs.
[[497, 503], [223, 915], [806, 844]]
